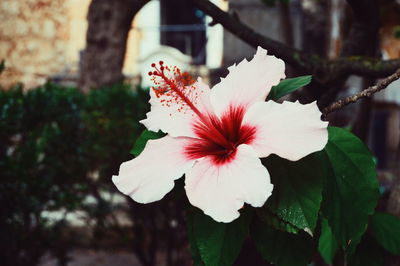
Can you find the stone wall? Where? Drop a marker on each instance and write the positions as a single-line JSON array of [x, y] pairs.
[[41, 39], [33, 39]]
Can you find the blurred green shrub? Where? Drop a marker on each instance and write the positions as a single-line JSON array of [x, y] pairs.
[[52, 140], [396, 32]]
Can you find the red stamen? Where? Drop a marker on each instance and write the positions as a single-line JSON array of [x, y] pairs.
[[174, 86], [219, 137], [177, 88]]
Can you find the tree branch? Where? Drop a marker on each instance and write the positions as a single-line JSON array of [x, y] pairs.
[[321, 68], [231, 23], [363, 94]]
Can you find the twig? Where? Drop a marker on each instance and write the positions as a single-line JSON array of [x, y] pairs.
[[363, 94], [302, 61]]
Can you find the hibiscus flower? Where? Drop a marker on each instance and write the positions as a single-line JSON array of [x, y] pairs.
[[216, 136]]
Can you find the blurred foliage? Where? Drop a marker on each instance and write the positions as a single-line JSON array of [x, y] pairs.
[[57, 147], [396, 32]]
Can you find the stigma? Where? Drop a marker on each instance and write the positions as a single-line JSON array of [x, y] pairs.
[[174, 87]]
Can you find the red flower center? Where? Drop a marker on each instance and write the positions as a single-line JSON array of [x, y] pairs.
[[217, 137], [221, 147]]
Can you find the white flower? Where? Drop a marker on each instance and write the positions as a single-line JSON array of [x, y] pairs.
[[216, 137]]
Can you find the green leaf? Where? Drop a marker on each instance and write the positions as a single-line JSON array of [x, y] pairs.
[[351, 190], [386, 230], [297, 193], [327, 244], [194, 249], [218, 244], [281, 248], [287, 86], [141, 141], [368, 253], [265, 215]]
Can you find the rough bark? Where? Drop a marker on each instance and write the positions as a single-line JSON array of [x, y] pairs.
[[364, 41], [286, 21], [315, 28], [361, 41], [109, 25]]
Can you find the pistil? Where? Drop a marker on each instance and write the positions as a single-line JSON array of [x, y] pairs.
[[182, 85]]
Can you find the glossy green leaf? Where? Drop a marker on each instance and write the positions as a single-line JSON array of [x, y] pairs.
[[218, 244], [297, 190], [327, 244], [368, 253], [281, 248], [194, 249], [351, 189], [270, 218], [287, 86], [386, 230], [141, 141]]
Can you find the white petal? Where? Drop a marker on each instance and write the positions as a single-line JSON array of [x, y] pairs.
[[221, 190], [172, 121], [151, 175], [248, 82], [290, 130]]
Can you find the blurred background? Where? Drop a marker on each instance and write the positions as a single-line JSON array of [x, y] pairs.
[[73, 88]]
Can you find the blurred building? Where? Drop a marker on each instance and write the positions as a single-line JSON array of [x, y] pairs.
[[41, 39], [264, 19], [176, 32]]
